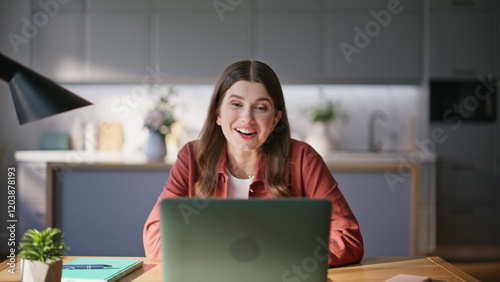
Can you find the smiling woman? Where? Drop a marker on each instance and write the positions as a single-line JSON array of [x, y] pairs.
[[247, 118], [245, 151]]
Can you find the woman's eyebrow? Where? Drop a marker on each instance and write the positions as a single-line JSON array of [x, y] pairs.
[[258, 99]]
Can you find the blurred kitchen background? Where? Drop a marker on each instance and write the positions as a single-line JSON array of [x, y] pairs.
[[393, 68]]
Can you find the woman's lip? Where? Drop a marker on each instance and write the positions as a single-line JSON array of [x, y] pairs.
[[246, 136]]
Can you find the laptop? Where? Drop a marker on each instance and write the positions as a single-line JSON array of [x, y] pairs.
[[217, 240]]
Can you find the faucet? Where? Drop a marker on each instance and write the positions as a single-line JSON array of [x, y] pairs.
[[374, 144]]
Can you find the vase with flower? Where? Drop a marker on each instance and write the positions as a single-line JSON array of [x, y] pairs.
[[158, 121]]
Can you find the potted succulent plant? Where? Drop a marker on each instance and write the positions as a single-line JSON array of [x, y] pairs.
[[41, 254]]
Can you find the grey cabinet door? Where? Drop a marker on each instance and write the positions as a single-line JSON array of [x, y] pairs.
[[288, 37], [464, 140], [462, 40], [57, 48], [32, 195], [467, 186], [291, 44], [376, 45], [383, 212], [466, 181], [199, 43], [467, 207], [116, 46], [102, 212]]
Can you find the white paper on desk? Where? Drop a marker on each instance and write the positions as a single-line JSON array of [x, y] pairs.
[[408, 278]]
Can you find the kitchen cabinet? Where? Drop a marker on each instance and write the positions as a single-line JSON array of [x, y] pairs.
[[54, 7], [116, 41], [462, 35], [57, 47], [468, 226], [192, 41], [378, 42], [397, 218], [116, 5], [426, 209], [288, 37], [102, 200], [465, 140], [468, 207], [467, 200], [107, 211], [32, 195], [199, 44], [93, 41], [384, 214]]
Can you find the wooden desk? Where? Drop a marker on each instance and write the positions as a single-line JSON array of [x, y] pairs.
[[372, 269]]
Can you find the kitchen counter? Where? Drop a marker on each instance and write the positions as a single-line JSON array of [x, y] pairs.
[[392, 188], [86, 160], [341, 160]]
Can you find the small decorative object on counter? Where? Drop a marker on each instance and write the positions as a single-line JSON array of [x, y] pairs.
[[76, 134], [41, 254], [110, 136], [159, 122], [91, 135], [155, 148], [322, 115]]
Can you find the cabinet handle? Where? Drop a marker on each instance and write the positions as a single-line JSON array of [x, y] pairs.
[[462, 211], [463, 166], [463, 71], [463, 3]]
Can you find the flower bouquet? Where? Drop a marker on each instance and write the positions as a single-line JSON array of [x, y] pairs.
[[159, 121]]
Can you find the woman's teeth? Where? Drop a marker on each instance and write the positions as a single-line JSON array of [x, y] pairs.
[[245, 131]]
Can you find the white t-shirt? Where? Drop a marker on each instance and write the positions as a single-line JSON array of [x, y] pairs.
[[238, 188]]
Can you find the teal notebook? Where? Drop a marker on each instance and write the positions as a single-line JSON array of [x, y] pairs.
[[119, 268]]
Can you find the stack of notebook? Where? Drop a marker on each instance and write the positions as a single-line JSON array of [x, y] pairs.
[[115, 269]]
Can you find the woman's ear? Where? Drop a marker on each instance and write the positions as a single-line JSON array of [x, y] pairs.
[[217, 117], [277, 118]]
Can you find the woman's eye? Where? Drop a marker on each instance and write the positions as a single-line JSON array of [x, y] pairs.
[[261, 108], [235, 104]]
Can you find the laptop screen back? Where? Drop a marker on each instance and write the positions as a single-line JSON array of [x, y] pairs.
[[245, 240]]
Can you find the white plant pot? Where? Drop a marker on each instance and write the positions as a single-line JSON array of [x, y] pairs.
[[319, 138], [37, 271]]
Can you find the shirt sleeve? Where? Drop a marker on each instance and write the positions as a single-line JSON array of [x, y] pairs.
[[176, 186], [346, 242]]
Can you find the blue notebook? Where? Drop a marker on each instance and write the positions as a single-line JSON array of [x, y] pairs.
[[119, 268]]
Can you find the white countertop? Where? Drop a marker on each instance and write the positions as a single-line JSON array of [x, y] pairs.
[[333, 158], [71, 156]]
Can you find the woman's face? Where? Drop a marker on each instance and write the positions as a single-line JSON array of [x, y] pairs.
[[247, 116]]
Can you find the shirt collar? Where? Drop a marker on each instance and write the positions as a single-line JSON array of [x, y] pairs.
[[259, 171]]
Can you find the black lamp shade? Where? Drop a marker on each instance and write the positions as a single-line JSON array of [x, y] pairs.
[[37, 97]]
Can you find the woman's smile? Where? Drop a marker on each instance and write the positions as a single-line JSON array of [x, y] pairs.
[[246, 132]]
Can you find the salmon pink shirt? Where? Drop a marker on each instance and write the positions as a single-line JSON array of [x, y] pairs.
[[308, 176]]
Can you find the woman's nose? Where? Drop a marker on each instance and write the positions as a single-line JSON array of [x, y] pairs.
[[247, 115]]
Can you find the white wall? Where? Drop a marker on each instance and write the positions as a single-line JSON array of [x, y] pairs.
[[128, 104]]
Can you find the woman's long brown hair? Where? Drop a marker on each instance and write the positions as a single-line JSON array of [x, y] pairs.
[[212, 142]]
